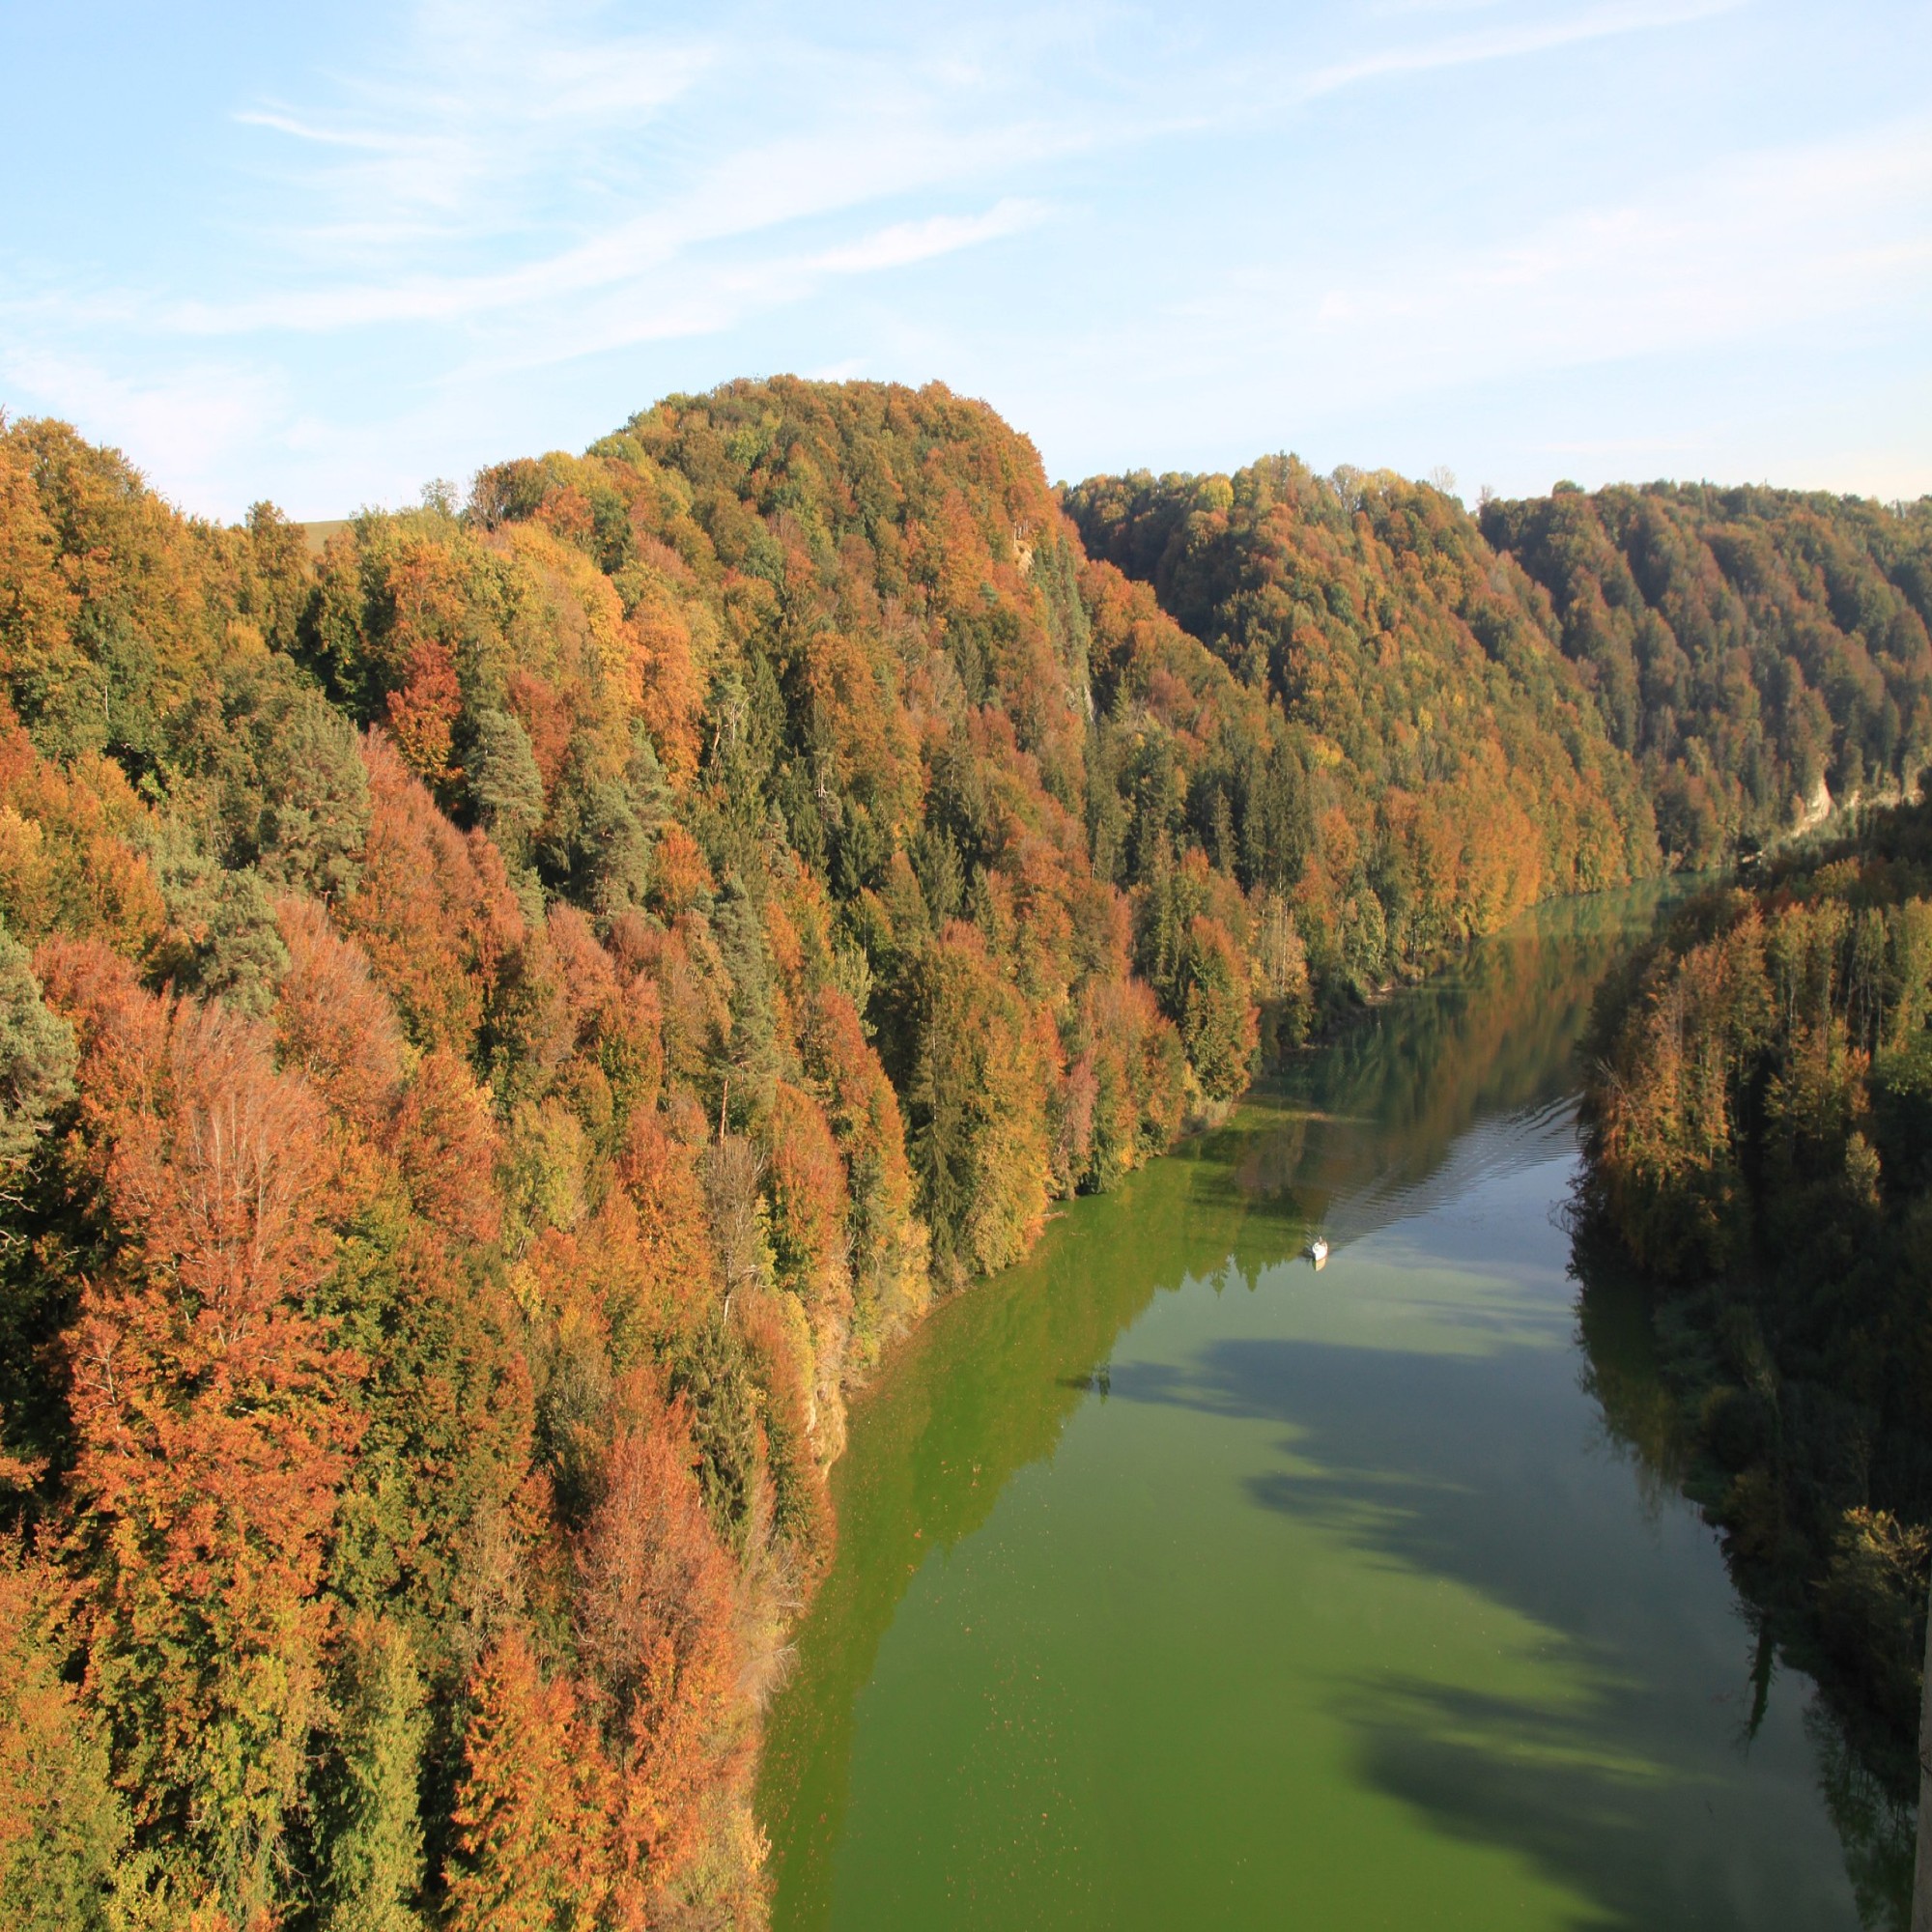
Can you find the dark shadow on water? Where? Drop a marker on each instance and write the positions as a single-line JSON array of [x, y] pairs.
[[1450, 1465], [1468, 1467], [1868, 1793]]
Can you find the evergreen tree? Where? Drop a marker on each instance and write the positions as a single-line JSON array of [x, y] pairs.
[[37, 1055], [505, 787], [372, 1852]]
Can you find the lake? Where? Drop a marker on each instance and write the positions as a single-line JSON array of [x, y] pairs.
[[1179, 1583]]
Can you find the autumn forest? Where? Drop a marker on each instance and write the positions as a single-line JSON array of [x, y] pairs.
[[509, 1007]]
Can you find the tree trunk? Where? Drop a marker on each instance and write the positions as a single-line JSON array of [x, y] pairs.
[[1922, 1879]]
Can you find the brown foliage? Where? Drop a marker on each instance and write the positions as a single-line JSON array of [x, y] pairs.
[[655, 1626], [66, 863], [446, 1146], [333, 1024], [531, 1815], [211, 1411], [433, 911]]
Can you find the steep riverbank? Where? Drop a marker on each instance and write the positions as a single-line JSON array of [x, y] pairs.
[[1178, 1581]]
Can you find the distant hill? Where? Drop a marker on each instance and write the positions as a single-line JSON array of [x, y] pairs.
[[1761, 652], [316, 535], [1758, 653]]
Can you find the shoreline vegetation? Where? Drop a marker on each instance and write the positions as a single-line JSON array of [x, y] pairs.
[[505, 1010], [1758, 1181]]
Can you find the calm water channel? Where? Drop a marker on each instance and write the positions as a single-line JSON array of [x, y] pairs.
[[1182, 1584]]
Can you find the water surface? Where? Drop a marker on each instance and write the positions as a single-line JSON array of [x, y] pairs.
[[1179, 1583]]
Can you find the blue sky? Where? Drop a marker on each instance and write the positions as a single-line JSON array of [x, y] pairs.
[[324, 255]]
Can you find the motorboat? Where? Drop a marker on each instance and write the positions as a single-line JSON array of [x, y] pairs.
[[1317, 1251]]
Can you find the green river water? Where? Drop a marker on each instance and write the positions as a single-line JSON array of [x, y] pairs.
[[1181, 1584]]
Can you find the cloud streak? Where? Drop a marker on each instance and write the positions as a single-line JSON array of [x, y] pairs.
[[1514, 41], [1761, 244], [493, 214], [204, 415], [455, 167]]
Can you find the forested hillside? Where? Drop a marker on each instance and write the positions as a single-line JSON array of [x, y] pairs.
[[502, 1021], [1454, 766], [1760, 1134], [505, 1015], [1761, 654]]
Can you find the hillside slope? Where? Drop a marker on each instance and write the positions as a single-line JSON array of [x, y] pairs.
[[1761, 652], [1457, 766], [505, 1017], [1758, 1127]]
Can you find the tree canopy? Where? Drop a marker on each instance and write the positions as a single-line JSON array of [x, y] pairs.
[[505, 1015]]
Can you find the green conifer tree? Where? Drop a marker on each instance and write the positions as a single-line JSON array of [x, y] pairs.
[[373, 1853]]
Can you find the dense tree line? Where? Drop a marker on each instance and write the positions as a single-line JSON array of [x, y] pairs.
[[1422, 762], [504, 1016], [1759, 654], [1759, 1142], [500, 1022], [1762, 653]]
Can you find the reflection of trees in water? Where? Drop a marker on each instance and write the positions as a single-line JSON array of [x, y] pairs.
[[1869, 1794], [984, 1390], [1875, 1826], [1384, 1122], [1642, 1420], [1346, 1139], [1461, 1078]]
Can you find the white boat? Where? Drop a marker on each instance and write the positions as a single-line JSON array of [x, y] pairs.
[[1317, 1251]]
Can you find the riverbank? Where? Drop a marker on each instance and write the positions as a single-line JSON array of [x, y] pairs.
[[1758, 1128], [1177, 1580]]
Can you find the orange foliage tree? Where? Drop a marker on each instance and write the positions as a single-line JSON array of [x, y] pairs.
[[215, 1419]]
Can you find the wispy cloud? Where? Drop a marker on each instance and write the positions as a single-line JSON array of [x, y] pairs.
[[1513, 40], [202, 414], [483, 217], [706, 297], [514, 173], [907, 241], [628, 259], [502, 165], [474, 108], [1758, 244]]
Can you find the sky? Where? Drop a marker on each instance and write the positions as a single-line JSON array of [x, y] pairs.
[[327, 255]]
